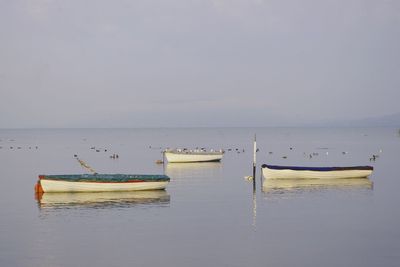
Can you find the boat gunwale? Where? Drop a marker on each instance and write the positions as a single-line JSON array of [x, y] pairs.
[[103, 182], [106, 178]]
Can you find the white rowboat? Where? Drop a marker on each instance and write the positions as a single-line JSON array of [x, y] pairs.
[[67, 186], [293, 172], [180, 156], [100, 182]]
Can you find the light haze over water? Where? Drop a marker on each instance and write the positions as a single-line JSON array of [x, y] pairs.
[[208, 215]]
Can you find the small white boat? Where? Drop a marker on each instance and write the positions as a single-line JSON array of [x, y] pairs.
[[184, 155], [100, 182], [295, 172]]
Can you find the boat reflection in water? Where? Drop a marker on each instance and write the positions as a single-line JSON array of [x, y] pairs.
[[101, 200], [196, 170], [299, 185]]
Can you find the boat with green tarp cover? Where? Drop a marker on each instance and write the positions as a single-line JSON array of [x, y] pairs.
[[96, 182], [100, 182]]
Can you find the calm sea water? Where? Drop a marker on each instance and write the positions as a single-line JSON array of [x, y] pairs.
[[209, 214]]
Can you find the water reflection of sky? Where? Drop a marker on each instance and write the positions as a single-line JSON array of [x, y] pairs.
[[212, 210]]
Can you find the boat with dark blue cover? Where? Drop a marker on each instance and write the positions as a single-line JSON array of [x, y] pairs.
[[298, 172]]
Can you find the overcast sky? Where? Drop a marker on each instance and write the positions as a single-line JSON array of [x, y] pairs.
[[159, 63]]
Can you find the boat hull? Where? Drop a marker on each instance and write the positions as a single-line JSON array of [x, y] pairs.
[[100, 183], [181, 157], [291, 172], [68, 186]]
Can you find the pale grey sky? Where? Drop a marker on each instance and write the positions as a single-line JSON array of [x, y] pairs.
[[125, 63]]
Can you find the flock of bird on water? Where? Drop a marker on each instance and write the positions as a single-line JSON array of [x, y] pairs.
[[374, 157]]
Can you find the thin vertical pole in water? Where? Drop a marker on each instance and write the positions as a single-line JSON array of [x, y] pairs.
[[163, 161], [254, 163]]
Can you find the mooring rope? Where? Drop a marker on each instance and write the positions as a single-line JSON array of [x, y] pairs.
[[85, 165]]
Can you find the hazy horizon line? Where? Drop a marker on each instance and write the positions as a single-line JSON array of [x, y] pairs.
[[199, 127]]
